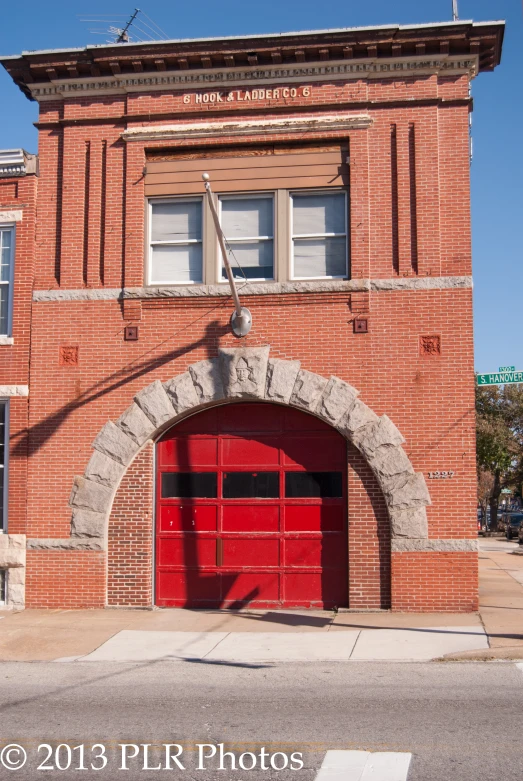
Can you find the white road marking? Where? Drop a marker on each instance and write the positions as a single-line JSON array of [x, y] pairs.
[[364, 766]]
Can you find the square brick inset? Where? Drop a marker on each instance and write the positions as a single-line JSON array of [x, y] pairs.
[[430, 346], [69, 355]]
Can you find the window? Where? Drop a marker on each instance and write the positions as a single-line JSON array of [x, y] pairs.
[[3, 465], [276, 235], [242, 485], [319, 235], [6, 274], [3, 586], [189, 485], [176, 241], [248, 225]]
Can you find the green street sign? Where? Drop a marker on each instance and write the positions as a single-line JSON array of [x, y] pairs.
[[506, 491], [501, 378]]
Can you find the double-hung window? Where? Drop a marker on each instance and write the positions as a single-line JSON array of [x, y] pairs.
[[248, 225], [176, 235], [7, 235], [319, 235]]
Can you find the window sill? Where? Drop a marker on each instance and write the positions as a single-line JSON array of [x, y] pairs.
[[6, 340]]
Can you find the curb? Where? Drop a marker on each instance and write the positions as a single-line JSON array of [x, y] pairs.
[[508, 653]]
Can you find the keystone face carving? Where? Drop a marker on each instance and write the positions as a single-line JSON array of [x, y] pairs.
[[244, 371]]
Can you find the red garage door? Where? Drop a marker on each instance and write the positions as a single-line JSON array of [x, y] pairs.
[[251, 510]]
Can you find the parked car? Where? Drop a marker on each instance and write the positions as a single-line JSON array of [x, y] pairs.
[[513, 523]]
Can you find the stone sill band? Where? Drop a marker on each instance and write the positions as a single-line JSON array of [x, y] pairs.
[[257, 289]]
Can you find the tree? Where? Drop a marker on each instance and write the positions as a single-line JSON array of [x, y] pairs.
[[499, 439]]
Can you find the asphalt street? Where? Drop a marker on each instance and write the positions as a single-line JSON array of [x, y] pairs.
[[459, 720]]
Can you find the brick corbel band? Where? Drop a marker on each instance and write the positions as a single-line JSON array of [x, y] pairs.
[[216, 381]]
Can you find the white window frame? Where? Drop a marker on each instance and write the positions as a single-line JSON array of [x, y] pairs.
[[317, 191], [9, 284], [150, 243], [231, 242], [4, 468]]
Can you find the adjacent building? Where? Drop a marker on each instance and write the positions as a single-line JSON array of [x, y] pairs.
[[326, 459]]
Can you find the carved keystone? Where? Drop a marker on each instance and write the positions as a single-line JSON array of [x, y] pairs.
[[182, 393], [373, 435], [337, 398], [154, 401], [358, 415], [207, 380], [410, 523], [90, 496], [114, 443], [104, 470], [307, 390], [281, 377], [86, 523], [244, 371], [135, 423]]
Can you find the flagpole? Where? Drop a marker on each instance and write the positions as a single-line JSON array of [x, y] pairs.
[[241, 320]]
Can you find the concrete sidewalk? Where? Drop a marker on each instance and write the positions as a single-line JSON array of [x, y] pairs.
[[258, 637]]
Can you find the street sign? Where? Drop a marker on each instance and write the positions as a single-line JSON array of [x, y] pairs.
[[501, 378], [506, 491]]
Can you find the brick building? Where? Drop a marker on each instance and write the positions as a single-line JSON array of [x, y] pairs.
[[328, 457]]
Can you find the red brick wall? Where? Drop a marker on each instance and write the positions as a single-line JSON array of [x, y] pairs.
[[434, 582], [65, 579], [130, 565]]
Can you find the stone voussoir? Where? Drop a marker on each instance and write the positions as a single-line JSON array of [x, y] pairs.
[[86, 523], [244, 371], [281, 377], [389, 460], [409, 492], [182, 393], [409, 523], [207, 379], [136, 425], [356, 417], [102, 469], [336, 400], [371, 436], [90, 496], [113, 442], [307, 390], [155, 403], [68, 543]]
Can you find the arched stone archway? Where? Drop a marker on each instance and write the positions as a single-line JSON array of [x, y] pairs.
[[246, 373]]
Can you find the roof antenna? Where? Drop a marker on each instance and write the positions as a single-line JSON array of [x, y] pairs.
[[124, 36], [241, 318], [455, 16]]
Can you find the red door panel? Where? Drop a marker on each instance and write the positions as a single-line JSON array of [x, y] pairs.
[[188, 518], [250, 452], [251, 518], [251, 552], [263, 552], [314, 518], [188, 452], [187, 551]]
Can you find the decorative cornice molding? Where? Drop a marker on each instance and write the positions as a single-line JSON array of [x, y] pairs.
[[228, 77], [256, 289], [251, 127], [13, 391], [399, 545]]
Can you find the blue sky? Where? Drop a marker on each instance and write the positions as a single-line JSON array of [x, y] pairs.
[[497, 166]]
